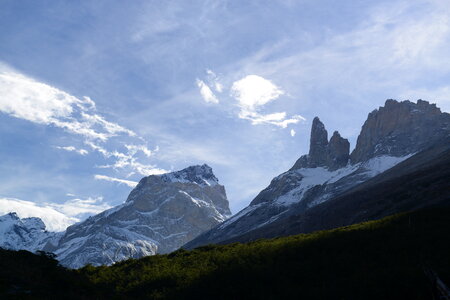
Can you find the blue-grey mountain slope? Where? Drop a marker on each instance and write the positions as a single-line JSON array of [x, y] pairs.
[[391, 134]]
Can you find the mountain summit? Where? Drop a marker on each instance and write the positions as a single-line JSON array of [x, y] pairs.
[[394, 133], [400, 128], [162, 213]]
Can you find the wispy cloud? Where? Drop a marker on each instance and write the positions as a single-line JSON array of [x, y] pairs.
[[113, 179], [252, 92], [128, 160], [73, 149], [214, 81], [25, 98], [206, 93]]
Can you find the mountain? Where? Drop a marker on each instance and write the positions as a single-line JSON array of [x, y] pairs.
[[24, 234], [312, 190], [162, 213]]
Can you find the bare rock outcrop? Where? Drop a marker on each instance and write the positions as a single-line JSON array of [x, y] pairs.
[[318, 148], [338, 150], [332, 154], [400, 128]]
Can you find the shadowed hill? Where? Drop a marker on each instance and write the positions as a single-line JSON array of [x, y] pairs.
[[418, 182], [381, 259]]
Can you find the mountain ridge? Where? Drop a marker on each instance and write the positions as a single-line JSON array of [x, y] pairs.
[[389, 136]]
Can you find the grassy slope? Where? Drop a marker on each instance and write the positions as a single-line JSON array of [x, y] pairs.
[[373, 260]]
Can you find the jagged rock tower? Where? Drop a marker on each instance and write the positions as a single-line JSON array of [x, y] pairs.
[[332, 154]]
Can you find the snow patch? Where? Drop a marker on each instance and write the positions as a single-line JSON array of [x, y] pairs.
[[312, 177], [319, 176], [379, 164]]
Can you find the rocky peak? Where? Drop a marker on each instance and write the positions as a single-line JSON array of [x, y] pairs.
[[202, 175], [12, 216], [318, 144], [333, 154], [337, 151], [27, 233], [400, 128], [32, 223], [162, 213]]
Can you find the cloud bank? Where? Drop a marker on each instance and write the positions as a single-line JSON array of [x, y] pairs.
[[56, 217], [53, 219]]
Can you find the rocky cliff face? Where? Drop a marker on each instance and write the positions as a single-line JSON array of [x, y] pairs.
[[400, 128], [317, 156], [23, 234], [390, 135], [161, 214], [337, 152]]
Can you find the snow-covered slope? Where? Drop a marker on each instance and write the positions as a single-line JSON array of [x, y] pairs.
[[161, 214], [24, 234]]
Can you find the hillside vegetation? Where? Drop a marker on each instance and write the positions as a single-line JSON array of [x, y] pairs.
[[381, 259]]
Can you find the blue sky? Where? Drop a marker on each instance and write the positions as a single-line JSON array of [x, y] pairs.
[[94, 95]]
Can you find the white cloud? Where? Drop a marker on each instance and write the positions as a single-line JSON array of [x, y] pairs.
[[112, 179], [133, 149], [206, 92], [53, 219], [73, 149], [111, 128], [56, 217], [128, 160], [81, 208], [277, 119], [252, 92], [25, 98], [293, 132]]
